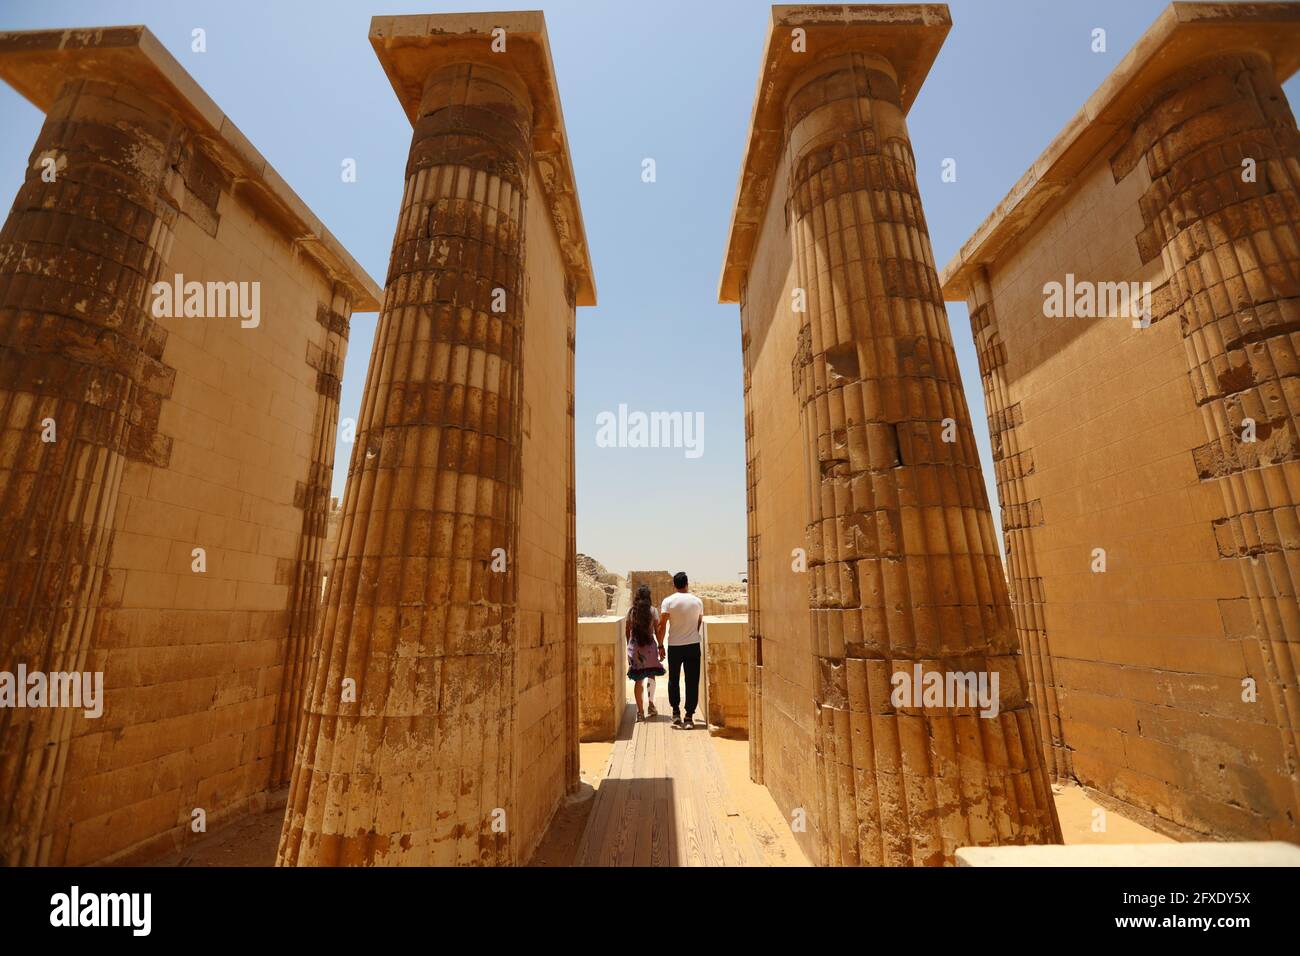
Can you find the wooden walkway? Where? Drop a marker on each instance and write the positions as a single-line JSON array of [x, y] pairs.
[[664, 802]]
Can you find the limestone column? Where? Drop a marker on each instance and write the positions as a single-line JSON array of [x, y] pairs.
[[313, 497], [1012, 460], [1223, 209], [80, 386], [902, 553], [413, 764]]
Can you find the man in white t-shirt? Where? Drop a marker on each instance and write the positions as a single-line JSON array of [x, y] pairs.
[[682, 616]]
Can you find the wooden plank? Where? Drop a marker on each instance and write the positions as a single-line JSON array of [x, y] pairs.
[[691, 841], [665, 802], [652, 731], [640, 803], [706, 820], [707, 792], [740, 824], [615, 836], [738, 842], [593, 836], [663, 841]]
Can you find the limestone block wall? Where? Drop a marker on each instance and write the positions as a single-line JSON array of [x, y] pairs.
[[602, 677], [195, 663], [228, 449], [715, 607], [546, 654], [727, 671], [782, 679], [1124, 444], [659, 582]]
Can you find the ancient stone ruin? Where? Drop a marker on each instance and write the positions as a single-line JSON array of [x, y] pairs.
[[404, 676], [600, 591], [895, 563], [164, 478], [441, 718], [1146, 444]]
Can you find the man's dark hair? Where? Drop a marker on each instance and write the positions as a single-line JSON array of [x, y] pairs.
[[679, 580]]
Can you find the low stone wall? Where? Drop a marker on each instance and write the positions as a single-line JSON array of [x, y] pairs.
[[716, 607], [727, 670], [602, 677]]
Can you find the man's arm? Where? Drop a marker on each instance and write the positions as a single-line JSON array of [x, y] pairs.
[[659, 633]]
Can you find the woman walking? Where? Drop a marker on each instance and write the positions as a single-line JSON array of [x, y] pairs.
[[644, 652]]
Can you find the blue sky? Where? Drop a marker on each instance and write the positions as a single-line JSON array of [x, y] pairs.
[[673, 81]]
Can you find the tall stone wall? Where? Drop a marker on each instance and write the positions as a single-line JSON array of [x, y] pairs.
[[546, 663], [1151, 549], [173, 433], [781, 680]]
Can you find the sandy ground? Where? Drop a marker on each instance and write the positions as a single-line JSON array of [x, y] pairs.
[[770, 827], [560, 842], [1080, 822], [252, 841]]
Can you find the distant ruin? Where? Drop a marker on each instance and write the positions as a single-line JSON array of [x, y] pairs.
[[194, 633]]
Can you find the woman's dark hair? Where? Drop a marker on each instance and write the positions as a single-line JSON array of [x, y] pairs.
[[640, 616]]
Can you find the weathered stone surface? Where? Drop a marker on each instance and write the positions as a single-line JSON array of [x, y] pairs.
[[898, 562], [727, 672], [602, 678], [77, 335], [1165, 679], [1231, 250], [660, 584], [453, 601], [172, 433], [422, 623]]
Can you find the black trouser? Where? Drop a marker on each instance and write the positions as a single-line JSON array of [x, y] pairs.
[[688, 656]]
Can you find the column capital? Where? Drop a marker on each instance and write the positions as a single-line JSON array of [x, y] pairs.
[[1182, 35], [413, 48], [907, 35], [37, 63]]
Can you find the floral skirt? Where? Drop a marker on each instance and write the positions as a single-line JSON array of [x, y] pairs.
[[641, 673]]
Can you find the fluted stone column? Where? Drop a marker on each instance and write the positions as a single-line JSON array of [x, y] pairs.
[[1012, 460], [902, 552], [79, 354], [1223, 209], [313, 497], [416, 769]]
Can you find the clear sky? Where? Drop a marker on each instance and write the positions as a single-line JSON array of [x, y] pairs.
[[669, 80]]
